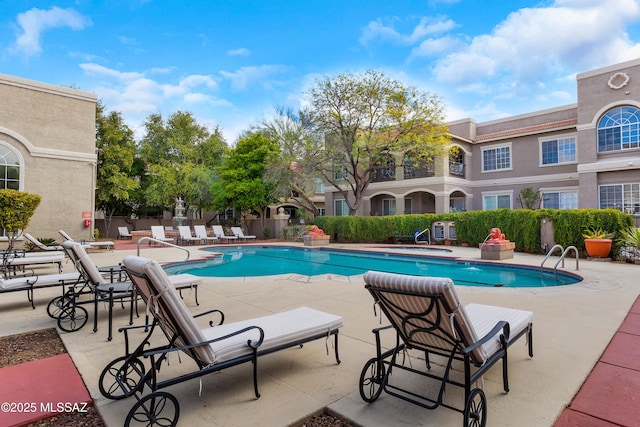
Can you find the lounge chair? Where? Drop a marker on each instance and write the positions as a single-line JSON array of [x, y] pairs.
[[38, 244], [237, 231], [32, 282], [89, 244], [157, 232], [219, 233], [107, 290], [212, 349], [186, 236], [426, 315], [123, 233], [201, 233], [15, 261]]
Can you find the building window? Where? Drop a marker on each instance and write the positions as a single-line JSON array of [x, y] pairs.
[[560, 200], [408, 206], [496, 201], [456, 161], [619, 129], [321, 212], [340, 172], [624, 197], [388, 206], [496, 158], [456, 204], [340, 207], [318, 185], [9, 168], [556, 151]]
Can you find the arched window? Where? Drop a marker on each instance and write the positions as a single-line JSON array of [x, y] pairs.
[[10, 168], [619, 129]]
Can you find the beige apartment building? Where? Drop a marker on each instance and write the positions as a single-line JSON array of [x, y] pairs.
[[47, 147], [584, 155]]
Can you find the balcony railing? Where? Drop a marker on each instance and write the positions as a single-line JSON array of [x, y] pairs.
[[383, 173], [411, 172], [457, 169]]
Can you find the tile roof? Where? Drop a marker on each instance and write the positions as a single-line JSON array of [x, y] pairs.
[[526, 130]]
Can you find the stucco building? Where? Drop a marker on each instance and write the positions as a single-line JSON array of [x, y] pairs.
[[584, 155], [47, 147]]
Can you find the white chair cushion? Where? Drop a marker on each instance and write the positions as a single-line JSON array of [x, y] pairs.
[[279, 329], [485, 317]]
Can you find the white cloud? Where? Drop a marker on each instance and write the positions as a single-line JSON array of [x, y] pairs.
[[246, 76], [533, 43], [136, 95], [430, 47], [426, 27], [239, 52], [35, 22]]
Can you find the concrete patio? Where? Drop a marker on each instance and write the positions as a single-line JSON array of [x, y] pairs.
[[572, 327]]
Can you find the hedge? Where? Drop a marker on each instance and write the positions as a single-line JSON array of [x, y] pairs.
[[521, 226]]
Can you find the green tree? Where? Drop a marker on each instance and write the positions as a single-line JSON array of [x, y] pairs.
[[115, 178], [180, 157], [242, 185], [295, 168], [529, 198], [366, 119], [16, 210]]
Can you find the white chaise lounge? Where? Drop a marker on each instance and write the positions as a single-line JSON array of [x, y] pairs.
[[426, 315], [212, 348], [237, 231]]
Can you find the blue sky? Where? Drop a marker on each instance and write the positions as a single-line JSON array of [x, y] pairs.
[[231, 63]]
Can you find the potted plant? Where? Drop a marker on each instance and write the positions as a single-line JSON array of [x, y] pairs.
[[597, 242]]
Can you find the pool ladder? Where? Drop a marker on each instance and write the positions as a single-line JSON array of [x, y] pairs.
[[426, 230], [564, 254]]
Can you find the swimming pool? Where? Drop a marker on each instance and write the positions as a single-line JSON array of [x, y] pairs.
[[272, 260]]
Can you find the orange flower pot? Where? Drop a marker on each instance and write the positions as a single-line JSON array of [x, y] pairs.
[[597, 248]]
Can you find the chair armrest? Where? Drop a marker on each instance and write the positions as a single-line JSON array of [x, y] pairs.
[[500, 325], [254, 346], [211, 321]]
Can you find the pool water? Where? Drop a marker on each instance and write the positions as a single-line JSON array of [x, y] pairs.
[[244, 261]]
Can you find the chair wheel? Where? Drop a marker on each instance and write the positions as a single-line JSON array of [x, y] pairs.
[[56, 305], [475, 411], [121, 378], [155, 409], [72, 318], [372, 380]]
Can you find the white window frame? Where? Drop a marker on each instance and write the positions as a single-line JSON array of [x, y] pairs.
[[496, 194], [625, 205], [560, 192], [344, 207], [391, 207], [495, 148], [559, 139]]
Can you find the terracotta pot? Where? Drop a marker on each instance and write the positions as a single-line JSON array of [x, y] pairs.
[[597, 248]]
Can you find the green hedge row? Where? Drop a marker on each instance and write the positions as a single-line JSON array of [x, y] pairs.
[[521, 226]]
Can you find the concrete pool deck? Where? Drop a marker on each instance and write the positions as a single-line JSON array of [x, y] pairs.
[[572, 327]]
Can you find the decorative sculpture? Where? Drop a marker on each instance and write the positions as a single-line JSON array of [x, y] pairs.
[[315, 231], [496, 236]]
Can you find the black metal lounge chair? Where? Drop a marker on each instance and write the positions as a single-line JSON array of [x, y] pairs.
[[427, 316], [68, 310], [212, 349], [31, 282]]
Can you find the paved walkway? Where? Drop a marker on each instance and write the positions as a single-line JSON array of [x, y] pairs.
[[573, 325], [611, 393]]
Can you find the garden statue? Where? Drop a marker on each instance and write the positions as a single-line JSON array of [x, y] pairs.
[[315, 231], [496, 236]]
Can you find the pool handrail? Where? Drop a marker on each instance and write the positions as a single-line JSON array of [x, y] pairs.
[[553, 248], [428, 231], [151, 239], [564, 253]]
